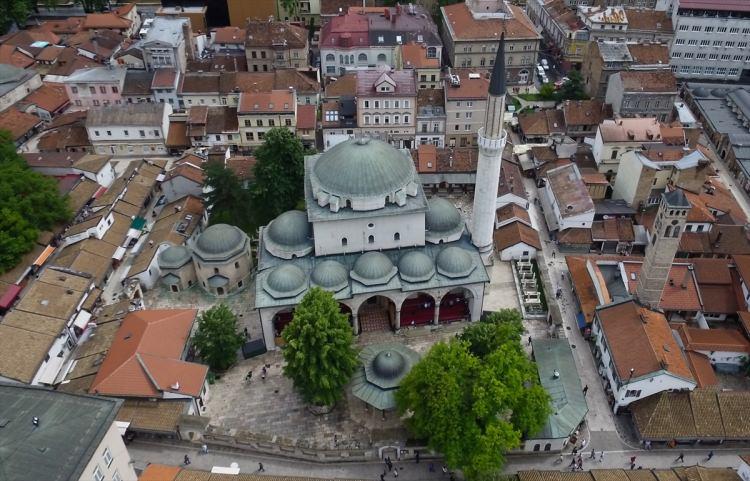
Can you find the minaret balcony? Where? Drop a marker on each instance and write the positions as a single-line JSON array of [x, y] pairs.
[[492, 143]]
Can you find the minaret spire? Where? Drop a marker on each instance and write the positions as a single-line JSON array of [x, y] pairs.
[[491, 139]]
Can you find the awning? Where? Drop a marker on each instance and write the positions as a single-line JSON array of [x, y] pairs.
[[9, 296], [138, 223], [119, 253], [44, 256], [99, 192], [82, 320]]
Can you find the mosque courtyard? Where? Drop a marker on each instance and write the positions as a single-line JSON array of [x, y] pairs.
[[271, 408]]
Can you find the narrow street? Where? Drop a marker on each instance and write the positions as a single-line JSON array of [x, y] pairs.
[[144, 453]]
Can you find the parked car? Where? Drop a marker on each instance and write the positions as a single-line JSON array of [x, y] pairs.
[[540, 69]]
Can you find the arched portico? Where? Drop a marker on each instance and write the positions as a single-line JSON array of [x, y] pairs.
[[418, 309], [377, 313], [456, 305], [280, 320]]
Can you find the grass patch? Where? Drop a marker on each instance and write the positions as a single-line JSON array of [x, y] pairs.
[[531, 97], [515, 102]]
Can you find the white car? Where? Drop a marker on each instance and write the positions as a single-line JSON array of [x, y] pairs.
[[540, 69]]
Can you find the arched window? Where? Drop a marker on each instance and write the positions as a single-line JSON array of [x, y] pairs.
[[341, 59], [381, 57], [668, 231], [676, 232], [351, 58], [236, 265], [330, 57], [547, 446], [397, 236], [362, 57], [371, 239], [344, 242]]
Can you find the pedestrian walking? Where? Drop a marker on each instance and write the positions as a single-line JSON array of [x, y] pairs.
[[553, 254], [632, 459], [445, 469], [263, 373], [204, 449], [244, 331], [249, 376], [575, 451], [585, 389], [382, 477], [431, 468], [601, 457], [593, 454], [395, 472], [186, 460], [647, 445], [572, 462], [416, 456], [561, 459], [260, 468], [389, 463], [680, 458], [529, 340], [710, 455], [632, 466]]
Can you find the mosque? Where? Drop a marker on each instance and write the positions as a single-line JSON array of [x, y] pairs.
[[369, 235]]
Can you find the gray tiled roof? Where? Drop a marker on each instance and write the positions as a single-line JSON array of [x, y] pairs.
[[145, 114]]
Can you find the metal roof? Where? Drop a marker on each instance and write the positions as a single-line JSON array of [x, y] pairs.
[[383, 368], [569, 408]]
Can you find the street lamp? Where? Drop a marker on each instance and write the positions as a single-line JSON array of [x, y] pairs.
[[632, 370]]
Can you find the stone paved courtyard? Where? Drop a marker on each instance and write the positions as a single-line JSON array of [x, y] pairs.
[[273, 408]]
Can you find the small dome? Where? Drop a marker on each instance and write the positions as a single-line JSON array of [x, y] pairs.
[[700, 92], [174, 257], [389, 364], [289, 234], [719, 92], [416, 266], [286, 280], [330, 275], [362, 168], [443, 221], [220, 242], [373, 268], [455, 262]]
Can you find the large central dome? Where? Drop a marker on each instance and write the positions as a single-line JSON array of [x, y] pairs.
[[363, 168]]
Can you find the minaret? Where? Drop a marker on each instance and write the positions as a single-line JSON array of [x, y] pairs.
[[491, 139], [662, 246]]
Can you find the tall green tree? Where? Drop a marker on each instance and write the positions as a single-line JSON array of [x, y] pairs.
[[17, 238], [573, 89], [319, 352], [228, 200], [217, 338], [291, 7], [279, 174], [495, 330], [14, 11], [474, 408], [30, 202], [91, 6]]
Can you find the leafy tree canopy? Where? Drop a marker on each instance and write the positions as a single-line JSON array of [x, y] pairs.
[[228, 199], [573, 89], [14, 11], [476, 396], [217, 339], [279, 174], [291, 7], [29, 201], [319, 352]]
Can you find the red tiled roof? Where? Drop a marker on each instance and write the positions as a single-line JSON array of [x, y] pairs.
[[18, 123], [702, 370], [266, 102], [728, 340], [680, 292], [514, 233], [105, 20], [188, 171], [144, 359], [641, 339], [306, 116], [426, 158], [230, 35], [50, 97], [415, 55], [470, 88], [466, 27], [10, 55], [163, 78], [512, 211]]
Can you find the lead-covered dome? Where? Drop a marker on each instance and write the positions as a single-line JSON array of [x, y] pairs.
[[416, 266], [220, 242], [373, 268], [174, 257], [330, 275], [286, 280], [363, 173], [443, 221], [455, 262], [389, 364], [289, 235]]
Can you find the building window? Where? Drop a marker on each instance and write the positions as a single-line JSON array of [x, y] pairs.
[[142, 133], [107, 455], [92, 90], [96, 103], [98, 475], [633, 393], [236, 265], [397, 236], [371, 239], [216, 270], [362, 57], [116, 476], [344, 242], [288, 122]]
